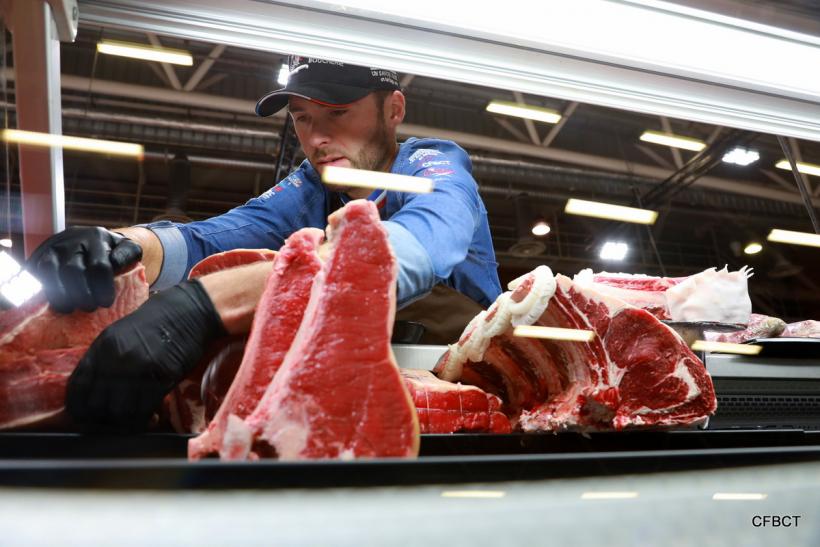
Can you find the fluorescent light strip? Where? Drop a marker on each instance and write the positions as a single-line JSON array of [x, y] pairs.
[[805, 168], [609, 495], [146, 53], [795, 238], [8, 267], [554, 333], [20, 288], [486, 494], [739, 496], [609, 211], [530, 112], [675, 141], [376, 180], [726, 347], [73, 143]]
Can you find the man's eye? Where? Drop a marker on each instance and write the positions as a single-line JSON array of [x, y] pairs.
[[299, 119]]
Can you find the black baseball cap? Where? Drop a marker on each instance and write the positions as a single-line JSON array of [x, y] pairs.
[[326, 82]]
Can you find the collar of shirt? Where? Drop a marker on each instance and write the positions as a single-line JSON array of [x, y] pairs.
[[376, 196]]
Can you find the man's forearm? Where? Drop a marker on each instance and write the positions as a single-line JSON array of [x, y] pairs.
[[152, 253], [236, 292]]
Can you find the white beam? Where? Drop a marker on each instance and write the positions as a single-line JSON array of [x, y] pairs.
[[667, 127], [529, 124], [37, 92], [204, 67], [568, 111], [211, 80], [774, 177], [505, 123], [654, 156], [798, 157], [168, 69], [452, 45]]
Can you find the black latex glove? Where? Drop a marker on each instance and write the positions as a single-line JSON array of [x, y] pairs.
[[137, 360], [77, 267]]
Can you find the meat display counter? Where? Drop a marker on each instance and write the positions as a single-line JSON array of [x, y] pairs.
[[768, 410]]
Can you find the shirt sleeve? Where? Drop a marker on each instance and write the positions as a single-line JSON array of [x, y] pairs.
[[415, 276], [442, 222], [263, 222]]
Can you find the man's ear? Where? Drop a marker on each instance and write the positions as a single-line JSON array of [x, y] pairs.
[[395, 108]]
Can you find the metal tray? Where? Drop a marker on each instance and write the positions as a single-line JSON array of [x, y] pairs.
[[158, 461]]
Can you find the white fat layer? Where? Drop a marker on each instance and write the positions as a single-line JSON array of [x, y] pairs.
[[636, 297], [712, 295], [682, 372], [236, 442], [12, 334], [535, 303], [289, 433]]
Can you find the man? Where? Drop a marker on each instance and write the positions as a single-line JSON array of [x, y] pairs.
[[343, 115]]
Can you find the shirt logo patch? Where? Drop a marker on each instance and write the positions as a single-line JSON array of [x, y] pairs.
[[437, 171], [422, 154]]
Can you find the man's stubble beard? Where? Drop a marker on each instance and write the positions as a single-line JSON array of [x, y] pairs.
[[376, 155]]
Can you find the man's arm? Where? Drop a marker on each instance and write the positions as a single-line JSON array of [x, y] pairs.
[[152, 252], [236, 292]]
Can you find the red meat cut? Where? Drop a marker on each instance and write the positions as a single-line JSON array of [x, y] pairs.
[[184, 407], [445, 407], [635, 372], [338, 393], [277, 317], [39, 349]]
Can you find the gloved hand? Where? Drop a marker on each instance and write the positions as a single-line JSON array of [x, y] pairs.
[[137, 360], [77, 266]]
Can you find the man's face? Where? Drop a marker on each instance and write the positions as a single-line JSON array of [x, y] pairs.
[[360, 135]]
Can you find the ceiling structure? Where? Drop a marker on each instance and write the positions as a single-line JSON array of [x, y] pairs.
[[206, 113]]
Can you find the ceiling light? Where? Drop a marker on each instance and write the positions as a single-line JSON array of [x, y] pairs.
[[609, 495], [5, 242], [284, 74], [739, 496], [540, 228], [473, 494], [20, 288], [741, 156], [145, 52], [536, 113], [73, 143], [753, 248], [675, 141], [376, 180], [609, 211], [805, 168], [726, 347], [554, 333], [795, 238], [614, 250]]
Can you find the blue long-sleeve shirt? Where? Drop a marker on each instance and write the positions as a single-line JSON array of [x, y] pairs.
[[440, 237]]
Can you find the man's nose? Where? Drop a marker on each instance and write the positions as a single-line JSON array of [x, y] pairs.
[[319, 136]]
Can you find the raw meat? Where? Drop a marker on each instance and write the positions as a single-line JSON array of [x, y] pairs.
[[339, 393], [711, 295], [184, 407], [277, 317], [445, 407], [39, 349], [802, 329], [635, 372], [760, 326]]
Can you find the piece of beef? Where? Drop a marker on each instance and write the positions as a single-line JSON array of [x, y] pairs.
[[339, 393], [760, 326], [184, 407], [277, 317], [802, 329], [39, 349], [711, 295], [635, 372], [445, 407]]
